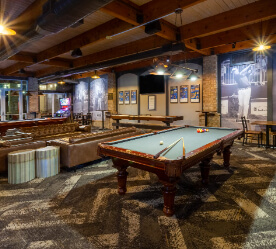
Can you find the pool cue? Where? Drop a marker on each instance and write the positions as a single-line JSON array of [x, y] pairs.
[[172, 147], [168, 147], [183, 147]]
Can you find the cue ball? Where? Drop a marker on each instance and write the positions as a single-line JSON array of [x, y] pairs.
[[161, 142]]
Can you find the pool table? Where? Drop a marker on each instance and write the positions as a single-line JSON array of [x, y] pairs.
[[165, 119], [143, 151]]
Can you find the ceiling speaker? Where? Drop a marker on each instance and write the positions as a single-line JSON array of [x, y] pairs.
[[153, 27]]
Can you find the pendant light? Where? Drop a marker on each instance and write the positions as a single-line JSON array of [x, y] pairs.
[[95, 75]]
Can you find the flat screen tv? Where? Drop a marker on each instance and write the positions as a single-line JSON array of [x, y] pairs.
[[152, 84], [64, 101]]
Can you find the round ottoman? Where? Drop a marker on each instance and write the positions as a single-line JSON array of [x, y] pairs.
[[47, 161], [21, 166]]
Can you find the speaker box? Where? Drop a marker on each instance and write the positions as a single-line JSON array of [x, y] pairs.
[[153, 27]]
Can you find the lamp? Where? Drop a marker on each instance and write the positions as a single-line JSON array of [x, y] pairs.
[[61, 82], [95, 75], [6, 31]]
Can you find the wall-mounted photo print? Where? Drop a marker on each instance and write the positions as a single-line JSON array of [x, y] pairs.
[[121, 97], [184, 94], [152, 103], [127, 101], [133, 96], [174, 94], [195, 93]]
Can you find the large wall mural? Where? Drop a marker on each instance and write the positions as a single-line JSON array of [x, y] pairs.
[[80, 99], [243, 89]]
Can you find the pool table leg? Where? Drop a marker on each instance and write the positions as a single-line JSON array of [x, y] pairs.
[[226, 156], [121, 166], [168, 190], [204, 169]]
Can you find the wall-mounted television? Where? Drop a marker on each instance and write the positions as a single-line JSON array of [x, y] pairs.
[[64, 101], [152, 84]]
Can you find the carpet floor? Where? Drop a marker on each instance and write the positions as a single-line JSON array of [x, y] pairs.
[[83, 210]]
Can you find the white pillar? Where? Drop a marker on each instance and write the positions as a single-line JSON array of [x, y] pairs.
[[3, 105], [20, 100], [53, 104]]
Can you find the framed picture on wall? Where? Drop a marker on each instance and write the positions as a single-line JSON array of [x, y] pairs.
[[174, 94], [195, 94], [133, 96], [183, 98], [121, 97], [152, 103], [127, 101]]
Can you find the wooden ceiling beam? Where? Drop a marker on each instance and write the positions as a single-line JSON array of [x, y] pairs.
[[141, 45], [245, 15], [194, 45], [157, 9], [243, 45], [248, 32], [27, 17], [122, 11], [15, 67], [96, 34], [129, 13], [32, 59]]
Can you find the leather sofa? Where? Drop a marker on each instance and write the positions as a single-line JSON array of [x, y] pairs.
[[48, 132], [81, 149], [14, 143]]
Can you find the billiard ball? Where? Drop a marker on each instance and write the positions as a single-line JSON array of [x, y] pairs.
[[161, 142]]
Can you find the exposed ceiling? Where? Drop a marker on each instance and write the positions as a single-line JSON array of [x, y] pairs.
[[116, 29]]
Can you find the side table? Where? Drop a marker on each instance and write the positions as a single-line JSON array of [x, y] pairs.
[[21, 166], [47, 161]]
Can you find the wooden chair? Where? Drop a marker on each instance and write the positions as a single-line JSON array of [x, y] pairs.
[[250, 134]]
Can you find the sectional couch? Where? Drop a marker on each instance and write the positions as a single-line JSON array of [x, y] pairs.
[[83, 148]]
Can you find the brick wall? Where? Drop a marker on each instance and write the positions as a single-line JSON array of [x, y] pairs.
[[33, 100], [210, 91]]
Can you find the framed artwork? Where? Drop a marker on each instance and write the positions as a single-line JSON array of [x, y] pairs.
[[152, 103], [174, 94], [121, 97], [127, 100], [183, 98], [133, 96], [195, 94]]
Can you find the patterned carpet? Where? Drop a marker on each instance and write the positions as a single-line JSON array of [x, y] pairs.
[[83, 210]]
